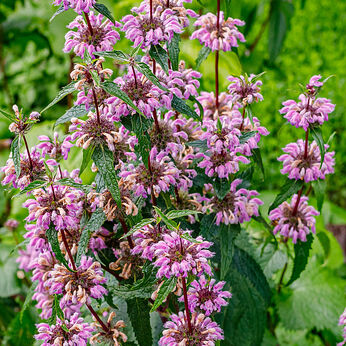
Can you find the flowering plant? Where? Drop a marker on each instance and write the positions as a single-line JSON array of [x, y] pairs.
[[158, 240]]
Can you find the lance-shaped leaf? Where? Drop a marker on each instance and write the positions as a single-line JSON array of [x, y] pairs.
[[15, 146], [7, 115], [221, 187], [138, 226], [104, 11], [87, 153], [96, 220], [320, 191], [200, 107], [28, 299], [316, 133], [66, 90], [181, 106], [74, 112], [52, 236], [189, 238], [175, 214], [202, 55], [61, 9], [290, 188], [257, 157], [174, 50], [72, 183], [145, 69], [113, 89], [117, 55], [166, 288], [169, 223], [104, 161], [201, 144], [246, 136], [157, 53], [37, 184]]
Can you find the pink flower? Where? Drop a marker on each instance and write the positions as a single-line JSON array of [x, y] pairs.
[[103, 37], [309, 168], [224, 39], [297, 225], [342, 322], [78, 5], [54, 148], [204, 331]]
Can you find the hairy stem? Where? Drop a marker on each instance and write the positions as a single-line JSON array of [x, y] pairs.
[[96, 105], [97, 317], [134, 75], [187, 311], [28, 152], [68, 250]]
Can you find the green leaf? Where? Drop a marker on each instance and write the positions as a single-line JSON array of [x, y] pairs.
[[169, 223], [87, 154], [138, 226], [138, 311], [262, 220], [175, 214], [66, 90], [200, 107], [15, 146], [290, 188], [257, 157], [316, 133], [157, 53], [137, 123], [113, 89], [320, 191], [221, 187], [301, 255], [201, 144], [7, 115], [61, 9], [246, 136], [208, 228], [72, 183], [104, 161], [146, 71], [189, 238], [52, 237], [325, 242], [101, 8], [228, 233], [96, 220], [143, 147], [37, 184], [202, 55], [174, 50], [117, 55], [74, 112], [181, 106], [28, 299], [166, 288]]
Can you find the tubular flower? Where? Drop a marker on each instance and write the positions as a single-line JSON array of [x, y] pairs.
[[223, 39], [308, 168], [102, 38], [204, 331], [144, 181], [77, 287], [342, 322], [115, 337], [236, 207], [78, 5], [294, 225], [31, 169], [57, 204], [78, 332], [22, 123], [244, 91], [176, 256], [207, 295], [145, 31]]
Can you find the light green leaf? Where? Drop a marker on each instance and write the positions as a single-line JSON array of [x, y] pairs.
[[175, 214], [202, 55], [15, 150], [117, 55], [74, 112], [145, 69], [138, 226], [66, 90], [169, 223], [87, 154], [316, 133]]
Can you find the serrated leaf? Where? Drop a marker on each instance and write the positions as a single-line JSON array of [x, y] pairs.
[[174, 50], [157, 53], [37, 184], [104, 161], [169, 223], [201, 144], [320, 191], [74, 112], [202, 55], [301, 255], [87, 154], [28, 299], [101, 8], [166, 288], [7, 115], [246, 136], [72, 183], [146, 71], [181, 106], [113, 89], [117, 55], [316, 133], [221, 187], [61, 9], [175, 214], [138, 226], [290, 188], [66, 90], [96, 220], [138, 311], [15, 146], [52, 237]]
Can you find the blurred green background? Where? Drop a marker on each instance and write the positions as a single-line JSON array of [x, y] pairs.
[[289, 40]]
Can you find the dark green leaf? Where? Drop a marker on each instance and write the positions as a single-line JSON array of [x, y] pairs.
[[174, 50], [246, 136], [202, 55], [200, 107], [138, 311], [95, 222], [52, 237], [143, 147], [290, 188], [316, 133], [87, 154], [15, 146], [104, 161], [261, 219], [221, 187], [7, 115], [160, 56], [166, 288], [61, 9], [138, 226], [74, 112], [301, 255], [28, 299], [37, 184], [175, 214], [257, 157], [137, 123], [181, 106], [113, 89], [189, 238], [169, 223], [201, 144], [104, 11], [208, 227], [72, 183], [249, 114], [145, 69], [320, 191], [117, 55], [66, 90], [246, 177]]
